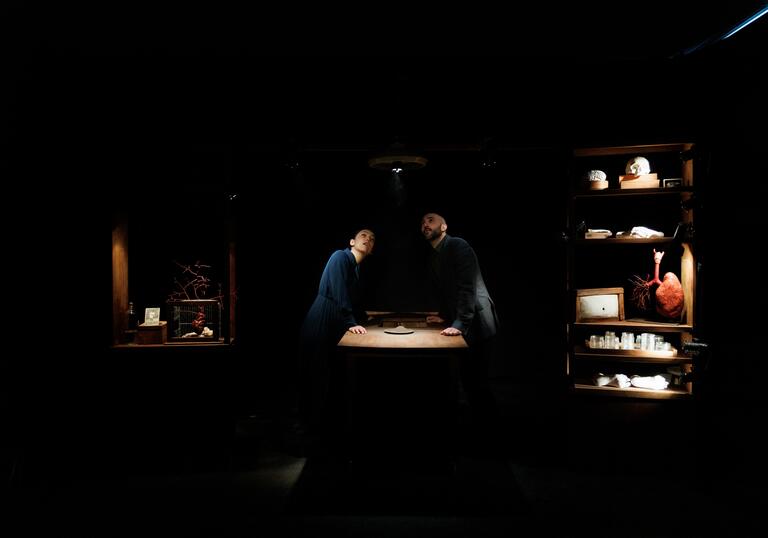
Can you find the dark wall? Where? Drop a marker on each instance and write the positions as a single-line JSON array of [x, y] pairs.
[[168, 139]]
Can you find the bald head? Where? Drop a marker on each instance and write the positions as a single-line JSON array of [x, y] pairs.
[[433, 227]]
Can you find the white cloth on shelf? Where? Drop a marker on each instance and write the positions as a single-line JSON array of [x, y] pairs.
[[602, 380], [641, 232], [619, 380], [655, 382]]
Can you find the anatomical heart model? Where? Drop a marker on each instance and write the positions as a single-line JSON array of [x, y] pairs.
[[668, 295]]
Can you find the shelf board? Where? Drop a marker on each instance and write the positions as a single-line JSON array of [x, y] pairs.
[[627, 150], [657, 326], [673, 393], [621, 241], [176, 345], [613, 193], [583, 353]]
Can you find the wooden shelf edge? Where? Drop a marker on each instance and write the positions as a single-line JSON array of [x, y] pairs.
[[174, 345], [658, 326], [680, 359], [654, 191], [633, 392], [620, 241], [627, 150]]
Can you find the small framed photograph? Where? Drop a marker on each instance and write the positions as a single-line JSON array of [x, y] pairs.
[[599, 305], [151, 316], [672, 182]]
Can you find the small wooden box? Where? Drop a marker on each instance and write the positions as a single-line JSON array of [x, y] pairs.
[[643, 181], [599, 305], [596, 185], [152, 334]]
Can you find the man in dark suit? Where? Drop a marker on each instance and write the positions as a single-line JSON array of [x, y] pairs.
[[467, 309]]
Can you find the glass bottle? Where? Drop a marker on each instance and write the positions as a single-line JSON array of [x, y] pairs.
[[131, 317]]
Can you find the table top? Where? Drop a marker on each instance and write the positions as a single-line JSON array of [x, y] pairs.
[[421, 338]]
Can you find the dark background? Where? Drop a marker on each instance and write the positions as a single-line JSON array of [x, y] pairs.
[[167, 133]]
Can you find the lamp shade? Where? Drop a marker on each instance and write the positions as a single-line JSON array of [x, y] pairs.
[[397, 157], [402, 161]]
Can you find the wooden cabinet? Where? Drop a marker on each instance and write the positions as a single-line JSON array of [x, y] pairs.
[[605, 258], [176, 252]]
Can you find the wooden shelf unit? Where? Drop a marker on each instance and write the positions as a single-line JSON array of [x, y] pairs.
[[611, 262], [156, 247]]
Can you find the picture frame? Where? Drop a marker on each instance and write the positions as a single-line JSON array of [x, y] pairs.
[[595, 305], [672, 182], [152, 316]]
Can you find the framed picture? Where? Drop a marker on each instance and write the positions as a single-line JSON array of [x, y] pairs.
[[599, 304], [672, 182], [151, 316]]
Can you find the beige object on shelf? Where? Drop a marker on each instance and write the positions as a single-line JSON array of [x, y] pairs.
[[597, 233]]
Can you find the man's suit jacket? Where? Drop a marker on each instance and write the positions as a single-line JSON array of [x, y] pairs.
[[464, 299]]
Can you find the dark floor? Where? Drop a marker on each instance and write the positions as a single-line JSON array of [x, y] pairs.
[[555, 471]]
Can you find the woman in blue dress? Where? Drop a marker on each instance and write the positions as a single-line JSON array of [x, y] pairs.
[[334, 311]]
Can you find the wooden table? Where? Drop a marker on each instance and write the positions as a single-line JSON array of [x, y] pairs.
[[401, 389]]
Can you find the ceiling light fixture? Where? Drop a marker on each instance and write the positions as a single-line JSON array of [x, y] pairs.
[[397, 159]]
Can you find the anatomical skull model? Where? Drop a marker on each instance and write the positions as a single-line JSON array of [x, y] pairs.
[[669, 293], [638, 166]]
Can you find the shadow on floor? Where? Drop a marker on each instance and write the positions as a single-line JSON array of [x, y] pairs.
[[461, 488]]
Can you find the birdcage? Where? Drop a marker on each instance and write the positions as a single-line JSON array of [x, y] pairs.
[[194, 320]]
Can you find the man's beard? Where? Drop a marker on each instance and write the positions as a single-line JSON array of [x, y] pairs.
[[433, 234]]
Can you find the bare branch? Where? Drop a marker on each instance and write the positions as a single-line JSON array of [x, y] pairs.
[[193, 283]]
